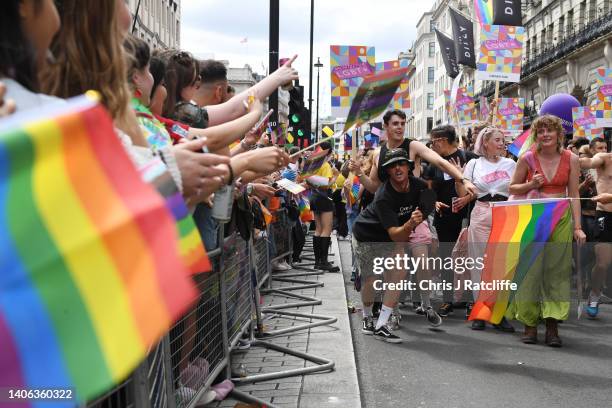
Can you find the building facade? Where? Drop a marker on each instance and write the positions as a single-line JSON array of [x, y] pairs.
[[158, 22], [422, 80], [566, 41]]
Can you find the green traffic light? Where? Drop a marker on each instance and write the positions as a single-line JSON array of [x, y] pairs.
[[300, 133], [295, 118]]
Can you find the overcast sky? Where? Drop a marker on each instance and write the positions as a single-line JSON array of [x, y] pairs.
[[214, 29]]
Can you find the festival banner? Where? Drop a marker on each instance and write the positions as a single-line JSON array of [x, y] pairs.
[[507, 13], [463, 36], [484, 11], [586, 123], [464, 106], [501, 52], [401, 99], [447, 105], [447, 50], [348, 65], [374, 96], [603, 81], [91, 273], [509, 116]]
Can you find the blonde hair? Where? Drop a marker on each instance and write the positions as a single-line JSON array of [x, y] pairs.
[[89, 55], [551, 123], [483, 136]]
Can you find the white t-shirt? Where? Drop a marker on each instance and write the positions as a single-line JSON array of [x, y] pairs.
[[490, 178], [26, 99]]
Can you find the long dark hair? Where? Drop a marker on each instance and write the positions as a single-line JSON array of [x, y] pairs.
[[181, 69], [17, 55]]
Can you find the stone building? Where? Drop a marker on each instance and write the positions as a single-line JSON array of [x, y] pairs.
[[158, 22]]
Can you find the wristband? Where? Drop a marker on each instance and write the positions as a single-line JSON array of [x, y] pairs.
[[231, 175]]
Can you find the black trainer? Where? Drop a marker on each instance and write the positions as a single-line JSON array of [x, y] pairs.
[[445, 309], [367, 326], [478, 325], [385, 334]]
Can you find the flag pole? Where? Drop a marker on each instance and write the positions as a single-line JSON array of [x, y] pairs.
[[311, 146], [496, 102]]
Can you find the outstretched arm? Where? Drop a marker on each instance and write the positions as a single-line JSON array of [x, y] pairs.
[[234, 108]]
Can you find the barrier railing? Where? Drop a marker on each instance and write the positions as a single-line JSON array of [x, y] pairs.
[[180, 369]]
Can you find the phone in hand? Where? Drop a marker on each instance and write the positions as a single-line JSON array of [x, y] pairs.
[[261, 125]]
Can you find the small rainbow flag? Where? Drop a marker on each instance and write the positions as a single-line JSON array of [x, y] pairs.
[[519, 231], [354, 190], [521, 144], [91, 272], [484, 11], [304, 208]]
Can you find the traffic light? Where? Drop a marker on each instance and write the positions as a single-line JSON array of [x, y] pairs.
[[299, 116]]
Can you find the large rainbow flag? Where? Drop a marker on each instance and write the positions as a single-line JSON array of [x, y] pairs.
[[91, 275], [519, 231]]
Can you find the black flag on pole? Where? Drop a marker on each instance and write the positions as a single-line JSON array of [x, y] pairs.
[[447, 49], [507, 13], [463, 33]]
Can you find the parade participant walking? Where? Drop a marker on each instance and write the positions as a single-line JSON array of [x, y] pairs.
[[553, 172], [393, 216], [602, 163], [491, 174]]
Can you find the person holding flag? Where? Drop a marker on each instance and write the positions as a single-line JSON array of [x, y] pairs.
[[553, 172]]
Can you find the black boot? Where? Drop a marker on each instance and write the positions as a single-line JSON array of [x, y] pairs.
[[324, 248], [316, 247]]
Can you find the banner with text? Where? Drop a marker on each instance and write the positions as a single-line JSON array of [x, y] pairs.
[[447, 50], [507, 12], [586, 123], [510, 115], [349, 64], [501, 52], [464, 105], [463, 36]]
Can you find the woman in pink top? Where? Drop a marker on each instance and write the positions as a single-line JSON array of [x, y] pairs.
[[553, 172]]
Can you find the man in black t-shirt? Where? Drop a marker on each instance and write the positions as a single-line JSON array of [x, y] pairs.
[[447, 223], [391, 217]]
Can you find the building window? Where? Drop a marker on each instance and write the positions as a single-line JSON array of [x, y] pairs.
[[432, 25], [570, 21], [430, 100], [561, 28], [432, 49], [430, 75], [429, 124]]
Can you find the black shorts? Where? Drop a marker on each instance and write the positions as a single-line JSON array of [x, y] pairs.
[[603, 230], [321, 202]]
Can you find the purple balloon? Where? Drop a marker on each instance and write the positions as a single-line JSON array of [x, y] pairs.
[[560, 105]]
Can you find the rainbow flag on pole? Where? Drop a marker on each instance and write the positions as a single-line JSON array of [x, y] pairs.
[[521, 144], [519, 231], [91, 275], [484, 11]]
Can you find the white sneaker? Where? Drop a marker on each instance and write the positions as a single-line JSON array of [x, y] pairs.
[[278, 266], [286, 265]]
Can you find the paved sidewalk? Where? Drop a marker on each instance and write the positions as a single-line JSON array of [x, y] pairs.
[[338, 388]]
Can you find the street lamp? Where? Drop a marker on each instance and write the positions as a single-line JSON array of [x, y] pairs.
[[318, 65]]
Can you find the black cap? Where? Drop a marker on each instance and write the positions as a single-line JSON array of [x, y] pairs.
[[394, 156]]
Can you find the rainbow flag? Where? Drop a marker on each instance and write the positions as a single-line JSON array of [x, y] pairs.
[[521, 144], [190, 242], [91, 273], [484, 11], [354, 190], [519, 231], [306, 214]]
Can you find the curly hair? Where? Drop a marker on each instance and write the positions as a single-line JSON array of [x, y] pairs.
[[551, 123]]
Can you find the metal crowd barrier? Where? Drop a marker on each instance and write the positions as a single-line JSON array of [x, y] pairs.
[[180, 369]]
